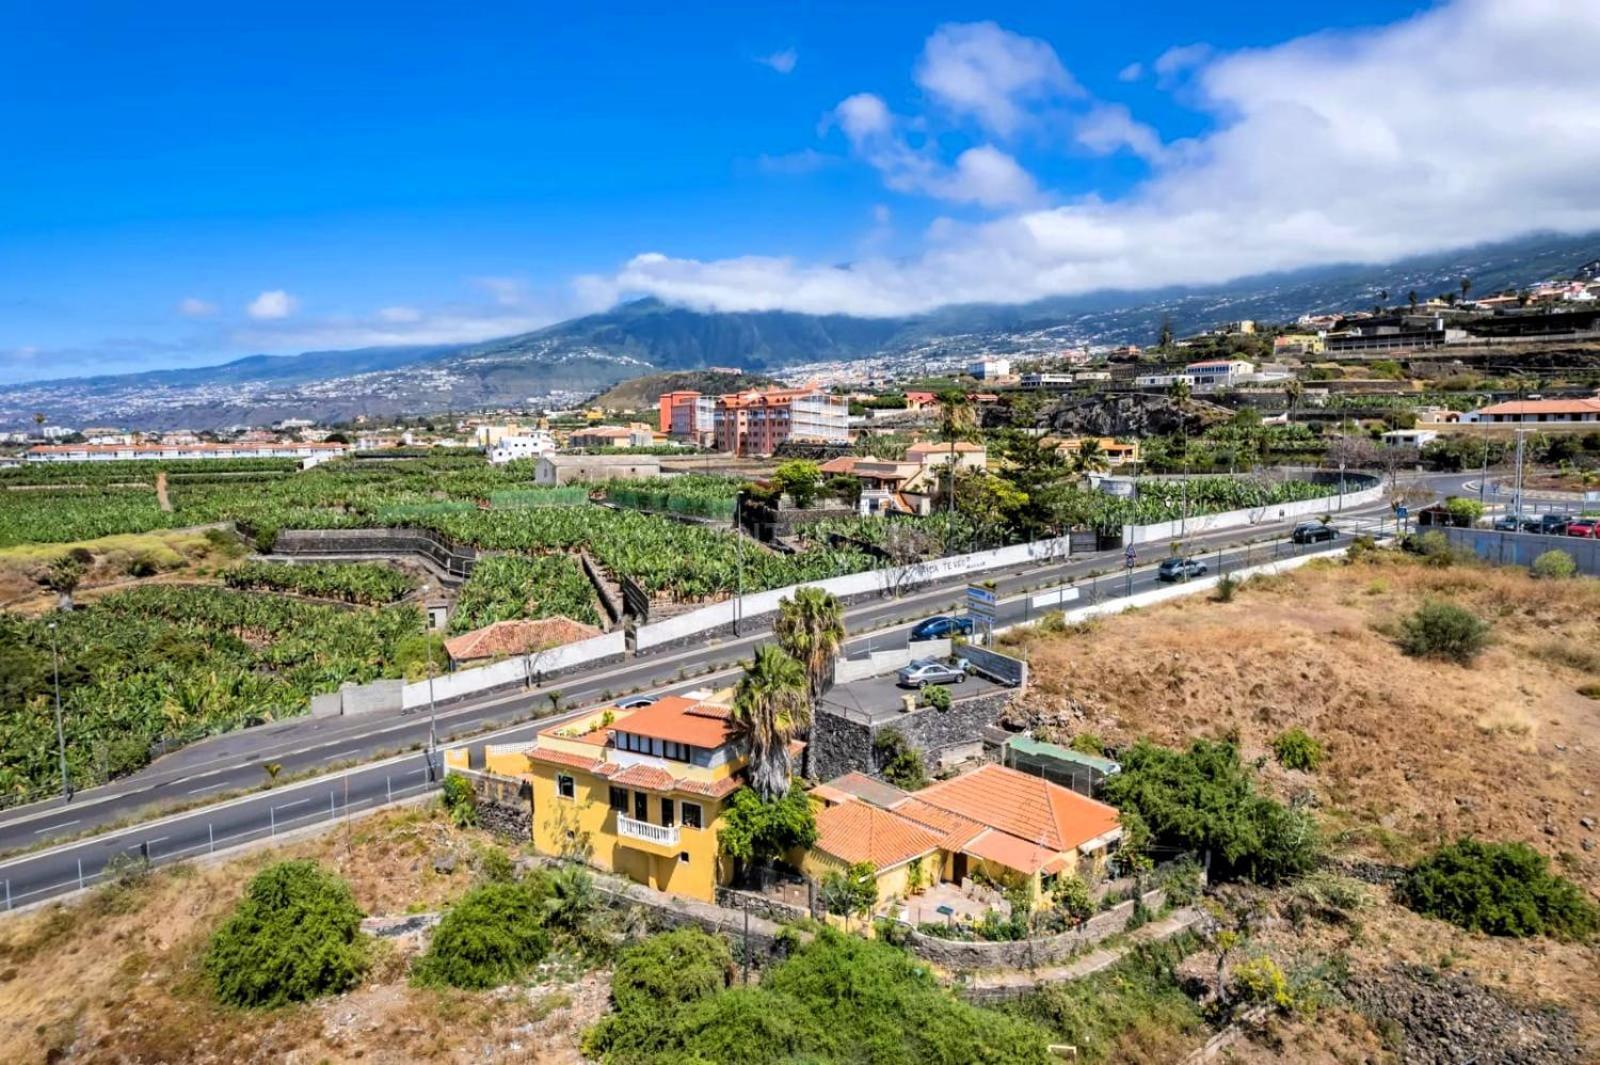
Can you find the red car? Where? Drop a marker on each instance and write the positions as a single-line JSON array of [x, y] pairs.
[[1588, 528]]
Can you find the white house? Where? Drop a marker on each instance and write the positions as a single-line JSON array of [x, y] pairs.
[[529, 445], [1410, 437], [1218, 373], [989, 369], [1537, 411]]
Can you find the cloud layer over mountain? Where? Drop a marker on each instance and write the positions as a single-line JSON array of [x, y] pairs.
[[1474, 121]]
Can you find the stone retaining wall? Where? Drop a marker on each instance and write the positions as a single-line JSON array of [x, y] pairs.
[[959, 956], [505, 804], [763, 906], [456, 560], [842, 745]]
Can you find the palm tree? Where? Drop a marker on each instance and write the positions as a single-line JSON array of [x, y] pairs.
[[63, 577], [956, 423], [1089, 458], [1180, 391], [1292, 391], [1411, 298], [1466, 286], [810, 629], [38, 419], [770, 708]]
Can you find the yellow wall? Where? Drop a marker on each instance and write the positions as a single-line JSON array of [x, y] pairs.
[[893, 883], [585, 827]]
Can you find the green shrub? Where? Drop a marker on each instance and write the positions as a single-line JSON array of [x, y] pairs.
[[937, 696], [1445, 631], [1434, 546], [1226, 586], [459, 800], [1204, 799], [900, 763], [293, 937], [1088, 743], [1295, 749], [1260, 981], [1554, 564], [756, 831], [851, 892], [1071, 897], [1465, 512], [1504, 889], [490, 938]]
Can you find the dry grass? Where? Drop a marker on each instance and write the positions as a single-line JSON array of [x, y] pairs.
[[1417, 751], [172, 552], [118, 977]]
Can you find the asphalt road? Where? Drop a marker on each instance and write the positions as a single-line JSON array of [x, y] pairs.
[[58, 869]]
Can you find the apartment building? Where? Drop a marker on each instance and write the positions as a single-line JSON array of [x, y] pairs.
[[756, 421]]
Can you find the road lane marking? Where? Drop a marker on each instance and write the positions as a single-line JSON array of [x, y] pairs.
[[344, 754], [297, 802], [208, 787], [52, 828]]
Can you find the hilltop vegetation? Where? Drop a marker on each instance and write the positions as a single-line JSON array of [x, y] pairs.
[[642, 393]]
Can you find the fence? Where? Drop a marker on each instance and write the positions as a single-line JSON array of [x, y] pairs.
[[1520, 549], [1364, 491], [698, 624]]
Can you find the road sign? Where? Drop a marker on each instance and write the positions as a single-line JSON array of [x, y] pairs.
[[980, 602], [1401, 512]]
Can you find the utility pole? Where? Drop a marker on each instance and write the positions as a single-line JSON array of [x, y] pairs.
[[433, 715], [1521, 449], [738, 535], [61, 736]]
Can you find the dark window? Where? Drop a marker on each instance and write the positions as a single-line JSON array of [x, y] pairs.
[[691, 814], [619, 800], [566, 787], [683, 856], [666, 812], [641, 806]]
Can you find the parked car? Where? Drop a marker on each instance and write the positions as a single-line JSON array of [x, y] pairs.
[[1588, 528], [1180, 569], [634, 702], [925, 671], [941, 627], [1549, 525], [1314, 532], [1508, 523]]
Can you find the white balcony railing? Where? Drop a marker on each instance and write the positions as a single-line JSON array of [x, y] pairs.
[[662, 835]]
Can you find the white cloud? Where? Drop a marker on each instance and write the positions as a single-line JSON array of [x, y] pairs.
[[272, 304], [399, 315], [881, 214], [1108, 128], [805, 161], [983, 175], [979, 70], [507, 291], [1470, 122], [194, 307], [1174, 61], [783, 61], [1131, 72]]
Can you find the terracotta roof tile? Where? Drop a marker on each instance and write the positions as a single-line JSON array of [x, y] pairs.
[[860, 832], [567, 758], [504, 638], [1024, 806], [720, 788], [680, 720], [954, 830], [1009, 851], [646, 777]]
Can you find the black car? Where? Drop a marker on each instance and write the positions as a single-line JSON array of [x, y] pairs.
[[1180, 569], [1508, 523], [1314, 532], [941, 627], [1547, 525]]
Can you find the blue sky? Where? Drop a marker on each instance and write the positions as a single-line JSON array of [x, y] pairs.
[[191, 182]]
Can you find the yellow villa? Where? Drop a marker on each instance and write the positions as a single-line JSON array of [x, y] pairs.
[[638, 792], [995, 823]]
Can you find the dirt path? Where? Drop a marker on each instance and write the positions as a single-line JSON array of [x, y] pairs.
[[1089, 964], [161, 492]]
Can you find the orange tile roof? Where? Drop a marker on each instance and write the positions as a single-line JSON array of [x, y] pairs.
[[516, 638], [954, 829], [1545, 406], [720, 788], [842, 464], [680, 720], [567, 758], [646, 777], [1009, 851], [1024, 806], [860, 832]]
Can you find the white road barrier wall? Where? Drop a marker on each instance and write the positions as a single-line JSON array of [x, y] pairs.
[[519, 670], [1167, 531], [878, 581], [878, 663]]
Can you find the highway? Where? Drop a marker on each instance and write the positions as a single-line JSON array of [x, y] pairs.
[[233, 763]]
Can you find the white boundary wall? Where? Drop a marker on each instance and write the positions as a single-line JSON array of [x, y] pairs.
[[519, 670], [877, 663], [1230, 519], [878, 581]]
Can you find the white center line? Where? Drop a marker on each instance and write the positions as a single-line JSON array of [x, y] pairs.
[[208, 787], [52, 828], [158, 839], [286, 805]]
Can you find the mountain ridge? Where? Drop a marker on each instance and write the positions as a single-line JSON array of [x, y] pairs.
[[567, 360]]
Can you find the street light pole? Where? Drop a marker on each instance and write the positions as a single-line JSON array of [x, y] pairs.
[[61, 736], [433, 714]]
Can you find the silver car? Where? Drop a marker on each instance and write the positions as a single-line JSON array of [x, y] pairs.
[[925, 671]]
